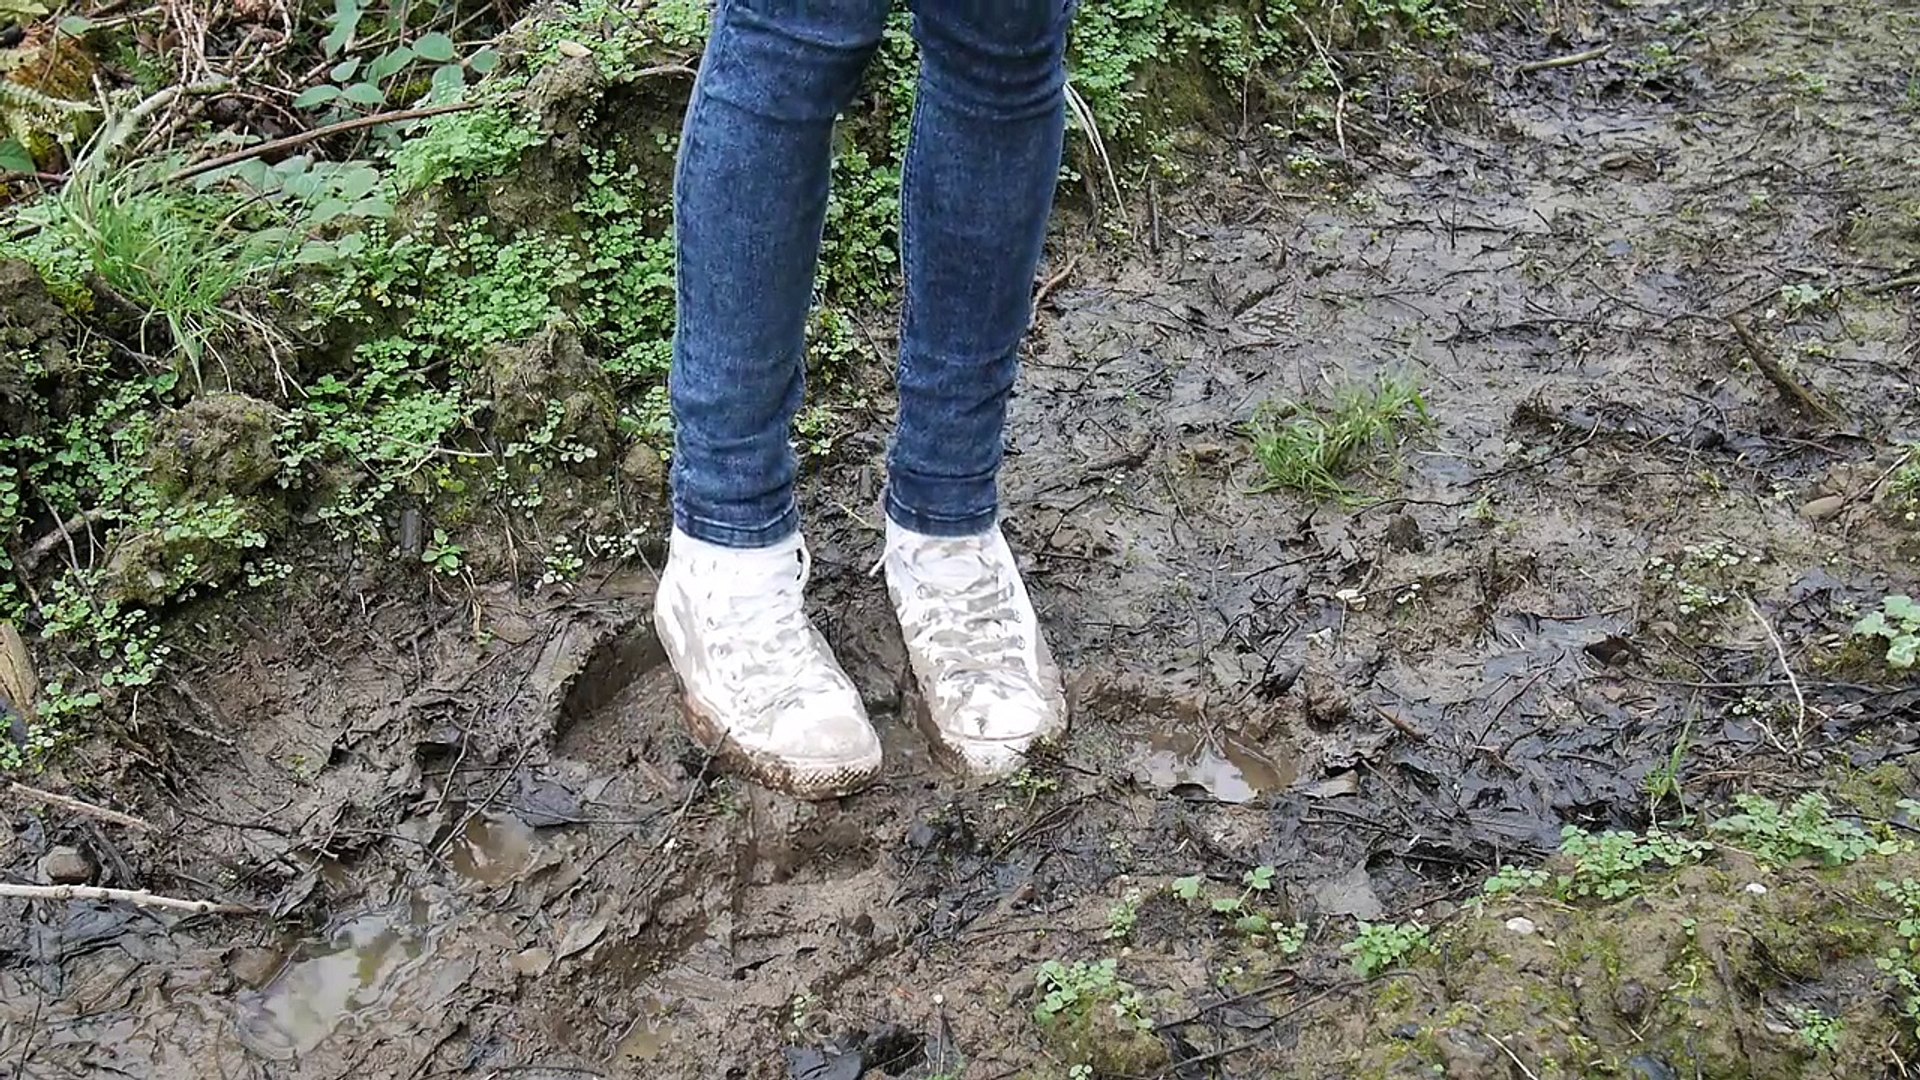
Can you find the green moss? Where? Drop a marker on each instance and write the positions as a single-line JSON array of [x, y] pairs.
[[1875, 792], [1690, 973]]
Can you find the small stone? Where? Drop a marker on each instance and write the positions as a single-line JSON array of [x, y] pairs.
[[533, 962], [1824, 507], [574, 49], [1756, 889], [65, 866], [1403, 534], [1631, 1001], [1520, 924], [1647, 1067], [254, 966]]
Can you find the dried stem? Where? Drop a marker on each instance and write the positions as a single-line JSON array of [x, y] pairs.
[[124, 896], [80, 806]]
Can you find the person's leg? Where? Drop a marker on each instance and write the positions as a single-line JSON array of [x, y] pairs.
[[750, 198], [977, 188]]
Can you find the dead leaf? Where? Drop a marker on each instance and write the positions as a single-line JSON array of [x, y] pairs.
[[19, 687], [581, 935]]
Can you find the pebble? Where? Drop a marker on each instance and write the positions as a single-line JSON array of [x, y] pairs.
[[65, 866], [1756, 888], [534, 961], [1520, 924], [1824, 507], [255, 966]]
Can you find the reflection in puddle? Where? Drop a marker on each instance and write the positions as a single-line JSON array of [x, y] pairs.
[[493, 850], [1227, 768], [650, 1031], [351, 974]]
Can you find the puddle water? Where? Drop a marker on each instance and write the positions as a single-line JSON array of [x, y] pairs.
[[492, 850], [1226, 767], [650, 1031], [351, 975]]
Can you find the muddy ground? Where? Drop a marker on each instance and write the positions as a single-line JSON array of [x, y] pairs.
[[496, 855]]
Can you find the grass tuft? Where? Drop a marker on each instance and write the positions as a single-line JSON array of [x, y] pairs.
[[1312, 449]]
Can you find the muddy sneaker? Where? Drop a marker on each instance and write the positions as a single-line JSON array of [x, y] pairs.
[[984, 688], [760, 685]]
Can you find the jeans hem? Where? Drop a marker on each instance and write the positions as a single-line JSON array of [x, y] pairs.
[[929, 523], [741, 537]]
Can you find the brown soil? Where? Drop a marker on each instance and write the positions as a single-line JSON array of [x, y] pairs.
[[490, 851]]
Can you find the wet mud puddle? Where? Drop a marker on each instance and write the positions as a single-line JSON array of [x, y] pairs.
[[385, 962], [1221, 766]]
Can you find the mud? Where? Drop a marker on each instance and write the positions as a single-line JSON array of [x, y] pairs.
[[486, 849]]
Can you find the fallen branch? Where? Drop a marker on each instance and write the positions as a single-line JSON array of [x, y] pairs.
[[63, 531], [1405, 728], [124, 896], [1891, 284], [1789, 387], [273, 146], [1046, 287], [80, 806], [1570, 60]]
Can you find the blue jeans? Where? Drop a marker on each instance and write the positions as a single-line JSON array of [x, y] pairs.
[[750, 198]]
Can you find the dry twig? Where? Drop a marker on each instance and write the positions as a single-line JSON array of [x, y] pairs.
[[1569, 60], [1800, 699], [124, 896], [1788, 387], [80, 806], [274, 146]]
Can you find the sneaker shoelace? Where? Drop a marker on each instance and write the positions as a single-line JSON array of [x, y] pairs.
[[973, 630], [760, 640]]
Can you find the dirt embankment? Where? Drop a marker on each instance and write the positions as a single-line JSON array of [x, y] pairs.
[[1616, 573]]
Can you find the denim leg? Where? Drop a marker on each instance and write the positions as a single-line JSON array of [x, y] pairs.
[[978, 184], [750, 198]]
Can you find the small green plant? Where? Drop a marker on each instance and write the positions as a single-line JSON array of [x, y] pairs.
[[1805, 829], [1898, 621], [1380, 946], [443, 554], [1312, 449], [563, 564], [800, 1016], [1902, 965], [1608, 865], [1067, 990], [1256, 925], [1663, 783], [178, 255], [1032, 784], [1123, 916], [1659, 61], [1801, 297], [1514, 880], [1809, 83], [1903, 484], [1702, 578], [370, 80], [1821, 1033]]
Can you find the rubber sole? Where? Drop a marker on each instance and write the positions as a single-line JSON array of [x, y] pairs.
[[767, 771]]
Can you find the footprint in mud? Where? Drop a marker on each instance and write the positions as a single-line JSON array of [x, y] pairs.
[[1222, 767], [493, 850]]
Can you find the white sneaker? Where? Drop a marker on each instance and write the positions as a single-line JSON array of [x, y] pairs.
[[988, 689], [760, 685]]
